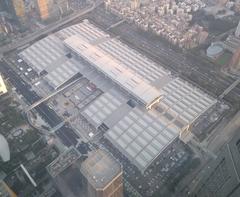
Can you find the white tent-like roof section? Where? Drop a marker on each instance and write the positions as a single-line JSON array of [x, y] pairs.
[[114, 69]]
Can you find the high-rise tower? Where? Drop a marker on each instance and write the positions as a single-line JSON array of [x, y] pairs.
[[19, 8], [103, 174], [52, 9], [43, 6]]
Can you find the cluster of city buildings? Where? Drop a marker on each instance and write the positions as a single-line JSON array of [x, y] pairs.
[[17, 17], [231, 45], [45, 9], [169, 19], [223, 8]]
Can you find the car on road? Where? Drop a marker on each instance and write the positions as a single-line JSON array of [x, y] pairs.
[[20, 60]]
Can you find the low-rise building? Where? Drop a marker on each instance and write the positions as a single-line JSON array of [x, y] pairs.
[[103, 174], [165, 18]]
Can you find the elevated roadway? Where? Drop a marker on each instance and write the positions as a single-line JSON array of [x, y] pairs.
[[230, 88], [116, 24], [48, 29], [49, 96]]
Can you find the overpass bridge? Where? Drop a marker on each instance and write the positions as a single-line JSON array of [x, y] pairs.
[[232, 86], [29, 108], [116, 24]]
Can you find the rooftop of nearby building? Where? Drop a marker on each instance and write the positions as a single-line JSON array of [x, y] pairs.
[[100, 169], [62, 162], [221, 177]]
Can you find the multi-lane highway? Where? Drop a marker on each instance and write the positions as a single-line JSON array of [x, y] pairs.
[[23, 88], [66, 134]]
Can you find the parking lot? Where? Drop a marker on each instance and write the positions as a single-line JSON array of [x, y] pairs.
[[70, 103], [24, 69]]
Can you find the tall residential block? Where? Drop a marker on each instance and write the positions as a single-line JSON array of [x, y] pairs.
[[44, 8], [49, 8], [19, 8]]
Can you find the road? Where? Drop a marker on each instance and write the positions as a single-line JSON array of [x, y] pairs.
[[66, 134], [48, 29], [23, 88], [229, 89], [116, 24], [50, 96]]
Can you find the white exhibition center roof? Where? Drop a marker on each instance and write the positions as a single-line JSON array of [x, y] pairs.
[[140, 134]]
